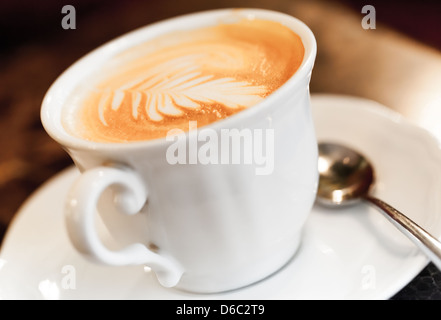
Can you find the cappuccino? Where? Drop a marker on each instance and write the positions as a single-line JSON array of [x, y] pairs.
[[201, 75]]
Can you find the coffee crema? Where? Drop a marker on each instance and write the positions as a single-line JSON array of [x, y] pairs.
[[202, 75]]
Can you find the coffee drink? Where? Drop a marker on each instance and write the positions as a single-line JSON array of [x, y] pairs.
[[212, 211], [201, 75]]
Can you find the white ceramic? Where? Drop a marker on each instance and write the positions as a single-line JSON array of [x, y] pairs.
[[204, 228], [353, 253]]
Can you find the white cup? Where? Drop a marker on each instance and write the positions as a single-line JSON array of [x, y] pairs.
[[200, 227]]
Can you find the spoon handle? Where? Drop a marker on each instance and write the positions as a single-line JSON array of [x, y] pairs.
[[424, 240]]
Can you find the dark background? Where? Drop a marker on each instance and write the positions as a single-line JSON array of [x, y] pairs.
[[22, 22]]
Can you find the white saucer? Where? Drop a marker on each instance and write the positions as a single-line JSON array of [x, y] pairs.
[[346, 254]]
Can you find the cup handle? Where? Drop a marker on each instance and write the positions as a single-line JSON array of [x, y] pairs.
[[130, 198]]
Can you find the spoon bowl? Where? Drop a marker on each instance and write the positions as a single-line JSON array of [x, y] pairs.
[[347, 177]]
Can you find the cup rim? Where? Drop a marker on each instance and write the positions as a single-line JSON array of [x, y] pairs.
[[62, 87]]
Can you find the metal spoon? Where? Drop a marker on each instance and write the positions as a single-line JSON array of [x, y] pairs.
[[346, 177]]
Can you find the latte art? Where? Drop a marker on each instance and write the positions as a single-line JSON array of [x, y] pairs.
[[173, 86], [201, 75]]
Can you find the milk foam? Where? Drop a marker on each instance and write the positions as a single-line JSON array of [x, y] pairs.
[[199, 75]]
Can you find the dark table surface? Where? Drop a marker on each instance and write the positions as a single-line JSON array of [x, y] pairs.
[[381, 64]]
